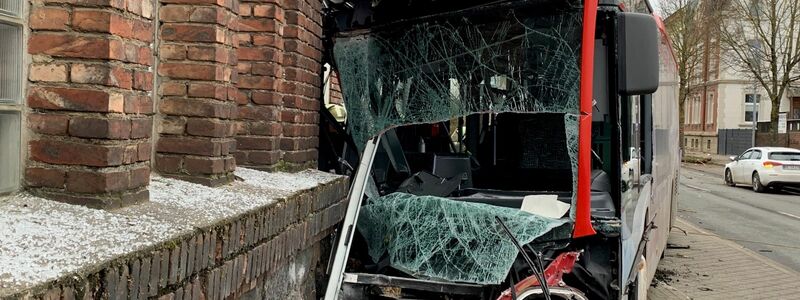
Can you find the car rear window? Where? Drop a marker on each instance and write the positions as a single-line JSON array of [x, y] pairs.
[[793, 156]]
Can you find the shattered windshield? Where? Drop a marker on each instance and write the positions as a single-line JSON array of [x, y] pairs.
[[437, 238], [518, 68], [513, 61]]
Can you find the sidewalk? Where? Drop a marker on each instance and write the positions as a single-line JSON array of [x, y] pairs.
[[701, 265], [706, 158]]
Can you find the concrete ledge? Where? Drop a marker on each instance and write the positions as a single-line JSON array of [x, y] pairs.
[[189, 238]]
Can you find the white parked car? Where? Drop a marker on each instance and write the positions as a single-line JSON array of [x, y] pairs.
[[764, 167]]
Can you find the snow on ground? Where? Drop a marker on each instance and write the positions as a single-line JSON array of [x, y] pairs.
[[42, 240]]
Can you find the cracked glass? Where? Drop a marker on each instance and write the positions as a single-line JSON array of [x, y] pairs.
[[514, 61], [438, 238]]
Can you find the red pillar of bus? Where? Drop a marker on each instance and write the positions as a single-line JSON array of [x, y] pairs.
[[583, 213]]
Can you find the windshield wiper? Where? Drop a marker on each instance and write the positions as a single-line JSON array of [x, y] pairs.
[[537, 270]]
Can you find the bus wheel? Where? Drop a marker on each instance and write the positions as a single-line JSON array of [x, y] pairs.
[[729, 178], [757, 186]]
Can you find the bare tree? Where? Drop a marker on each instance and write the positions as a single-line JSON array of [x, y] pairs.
[[761, 39], [686, 27]]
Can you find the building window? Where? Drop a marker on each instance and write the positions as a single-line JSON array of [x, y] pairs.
[[11, 81], [710, 109], [697, 107], [750, 101], [708, 144]]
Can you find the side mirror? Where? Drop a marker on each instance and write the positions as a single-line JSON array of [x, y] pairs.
[[638, 53], [733, 158]]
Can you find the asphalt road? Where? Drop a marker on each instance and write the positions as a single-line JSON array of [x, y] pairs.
[[767, 223]]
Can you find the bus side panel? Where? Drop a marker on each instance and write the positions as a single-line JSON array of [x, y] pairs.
[[666, 157]]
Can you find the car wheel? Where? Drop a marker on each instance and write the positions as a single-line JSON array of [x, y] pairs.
[[729, 178], [757, 186]]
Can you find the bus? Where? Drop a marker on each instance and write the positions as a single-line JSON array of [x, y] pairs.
[[508, 149]]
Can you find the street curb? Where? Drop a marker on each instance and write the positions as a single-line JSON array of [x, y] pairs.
[[738, 247]]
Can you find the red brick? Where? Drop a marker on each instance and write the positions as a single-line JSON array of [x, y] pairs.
[[267, 98], [143, 80], [141, 128], [269, 69], [266, 128], [135, 7], [175, 13], [263, 157], [42, 177], [48, 123], [168, 163], [102, 128], [191, 71], [71, 153], [74, 99], [103, 75], [48, 73], [96, 182], [130, 154], [208, 15], [230, 164], [256, 143], [267, 40], [208, 127], [173, 89], [268, 11], [228, 147], [186, 145], [196, 108], [139, 177], [176, 52], [63, 45], [138, 104], [48, 18], [192, 33], [259, 113], [172, 125], [144, 151], [91, 20], [207, 90], [208, 54], [257, 82], [258, 25], [245, 10], [204, 165]]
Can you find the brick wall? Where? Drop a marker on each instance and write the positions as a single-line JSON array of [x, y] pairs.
[[280, 83], [90, 114], [197, 90], [253, 256], [95, 123], [336, 89]]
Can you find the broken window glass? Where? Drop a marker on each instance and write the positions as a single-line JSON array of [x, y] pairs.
[[514, 61], [438, 70], [438, 238], [426, 72]]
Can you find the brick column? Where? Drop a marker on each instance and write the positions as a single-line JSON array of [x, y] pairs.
[[260, 70], [90, 116], [197, 75], [280, 83]]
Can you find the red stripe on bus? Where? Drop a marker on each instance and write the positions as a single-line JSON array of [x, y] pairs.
[[583, 213]]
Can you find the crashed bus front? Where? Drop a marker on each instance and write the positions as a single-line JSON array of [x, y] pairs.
[[475, 178]]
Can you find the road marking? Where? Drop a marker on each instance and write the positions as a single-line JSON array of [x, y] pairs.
[[789, 215]]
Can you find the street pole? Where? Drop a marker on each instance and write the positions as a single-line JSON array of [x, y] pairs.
[[755, 113]]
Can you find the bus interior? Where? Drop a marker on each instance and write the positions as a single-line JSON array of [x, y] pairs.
[[492, 158]]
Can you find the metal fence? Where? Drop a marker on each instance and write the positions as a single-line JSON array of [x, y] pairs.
[[734, 141]]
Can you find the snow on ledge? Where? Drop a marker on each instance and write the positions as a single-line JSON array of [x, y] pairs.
[[42, 240]]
